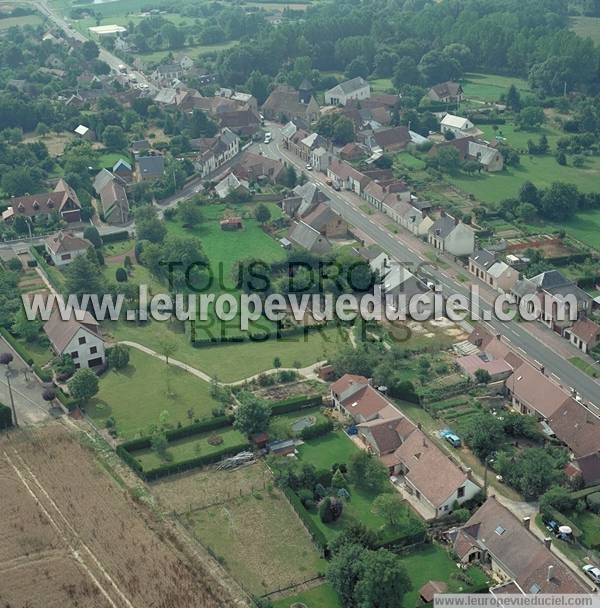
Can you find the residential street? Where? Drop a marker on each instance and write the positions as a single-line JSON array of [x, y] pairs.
[[537, 342]]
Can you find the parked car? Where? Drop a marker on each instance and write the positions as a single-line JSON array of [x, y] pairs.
[[452, 438], [308, 167], [552, 525], [268, 137], [593, 572]]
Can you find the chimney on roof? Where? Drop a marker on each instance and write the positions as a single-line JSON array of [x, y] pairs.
[[547, 542], [498, 337], [542, 369], [550, 572], [419, 426], [526, 522]]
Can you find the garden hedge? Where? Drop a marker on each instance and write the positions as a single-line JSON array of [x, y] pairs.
[[583, 493], [115, 237], [45, 375], [191, 463], [317, 430], [314, 531], [6, 420], [16, 346], [294, 404]]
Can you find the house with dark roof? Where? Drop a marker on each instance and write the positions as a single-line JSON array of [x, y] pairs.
[[446, 92], [356, 88], [123, 170], [63, 247], [303, 199], [78, 337], [286, 103], [245, 122], [496, 539], [39, 207], [496, 273], [346, 177], [326, 221], [470, 148], [577, 427], [215, 152], [149, 168], [305, 236], [256, 167], [391, 139], [448, 234], [585, 468], [561, 301], [114, 203]]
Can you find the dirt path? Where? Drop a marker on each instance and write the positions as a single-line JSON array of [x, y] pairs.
[[309, 372]]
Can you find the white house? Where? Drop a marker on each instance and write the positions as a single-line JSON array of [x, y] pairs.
[[79, 339], [450, 235], [357, 88], [459, 126], [217, 152], [64, 247]]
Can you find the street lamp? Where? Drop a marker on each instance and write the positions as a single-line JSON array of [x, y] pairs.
[[5, 359]]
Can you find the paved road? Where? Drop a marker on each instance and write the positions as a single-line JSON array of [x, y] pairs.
[[516, 333]]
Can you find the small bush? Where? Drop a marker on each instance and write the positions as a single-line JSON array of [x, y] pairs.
[[593, 502]]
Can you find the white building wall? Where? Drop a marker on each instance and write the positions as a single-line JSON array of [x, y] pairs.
[[91, 348]]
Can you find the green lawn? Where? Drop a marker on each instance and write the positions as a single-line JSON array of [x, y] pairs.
[[322, 596], [119, 248], [281, 426], [489, 87], [194, 51], [137, 395], [327, 450], [541, 170], [432, 562], [589, 524], [190, 447], [517, 138], [585, 226], [587, 27], [107, 160], [585, 366], [381, 85]]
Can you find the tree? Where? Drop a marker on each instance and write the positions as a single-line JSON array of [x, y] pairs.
[[448, 159], [558, 498], [189, 213], [252, 415], [357, 67], [482, 376], [390, 507], [367, 472], [114, 137], [530, 118], [330, 510], [118, 356], [513, 99], [121, 275], [383, 581], [83, 276], [276, 362], [258, 85], [561, 158], [435, 66], [90, 50], [26, 329], [529, 193], [338, 481], [148, 225], [262, 214], [344, 571], [83, 385], [167, 349], [484, 434], [343, 131], [559, 202], [93, 236], [289, 176]]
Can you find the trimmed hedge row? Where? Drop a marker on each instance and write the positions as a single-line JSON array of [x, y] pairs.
[[66, 400], [317, 430], [191, 463], [583, 493], [314, 531], [257, 336], [16, 346], [294, 404], [115, 237], [143, 443], [45, 375], [6, 420]]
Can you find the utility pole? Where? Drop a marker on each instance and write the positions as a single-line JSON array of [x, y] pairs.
[[12, 401]]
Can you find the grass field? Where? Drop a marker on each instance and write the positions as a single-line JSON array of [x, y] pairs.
[[190, 447], [259, 539], [541, 170], [489, 87], [281, 426], [20, 21], [589, 524], [587, 27], [433, 563], [381, 85], [322, 596], [193, 51], [585, 226], [137, 395], [325, 451]]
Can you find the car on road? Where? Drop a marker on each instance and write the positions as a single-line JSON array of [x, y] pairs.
[[268, 137], [308, 167], [452, 438], [593, 572]]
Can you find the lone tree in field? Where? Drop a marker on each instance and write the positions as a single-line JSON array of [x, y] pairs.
[[167, 349], [262, 214], [390, 507], [83, 385], [252, 415]]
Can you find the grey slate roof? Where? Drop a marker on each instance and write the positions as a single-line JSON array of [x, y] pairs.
[[349, 86], [153, 166], [483, 258], [310, 239], [443, 226]]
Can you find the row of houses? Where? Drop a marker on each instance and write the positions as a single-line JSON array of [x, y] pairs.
[[434, 481], [532, 392]]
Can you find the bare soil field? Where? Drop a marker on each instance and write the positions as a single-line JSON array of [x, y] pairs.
[[293, 389], [70, 536]]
